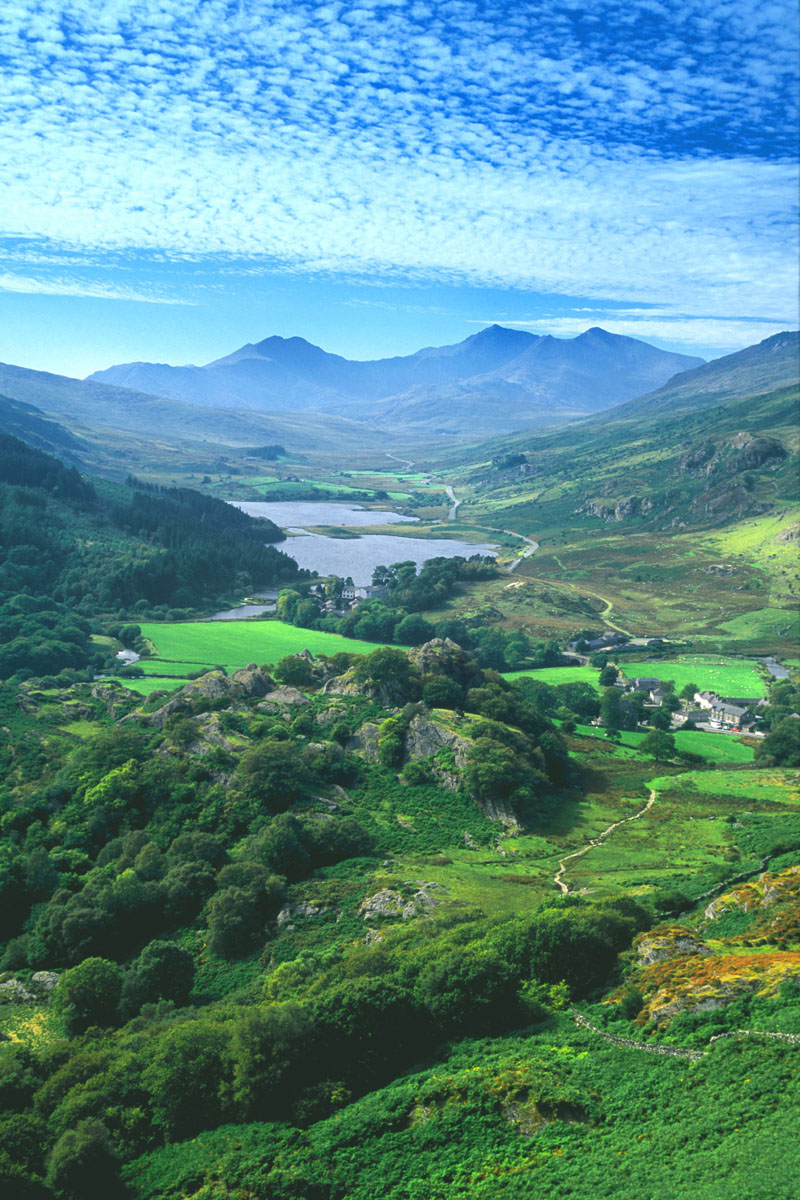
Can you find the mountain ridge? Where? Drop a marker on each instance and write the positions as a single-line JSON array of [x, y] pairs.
[[497, 379]]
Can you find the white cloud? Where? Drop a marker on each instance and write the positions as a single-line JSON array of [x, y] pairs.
[[605, 149], [60, 286]]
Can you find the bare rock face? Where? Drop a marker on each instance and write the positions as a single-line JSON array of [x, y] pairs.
[[251, 681], [386, 694], [213, 734], [283, 695], [655, 947], [426, 736], [390, 903], [440, 656], [386, 903], [365, 741], [211, 686], [44, 982]]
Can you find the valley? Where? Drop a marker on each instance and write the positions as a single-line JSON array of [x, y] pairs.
[[462, 861]]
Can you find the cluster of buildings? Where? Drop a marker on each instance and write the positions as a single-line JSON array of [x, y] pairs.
[[705, 708]]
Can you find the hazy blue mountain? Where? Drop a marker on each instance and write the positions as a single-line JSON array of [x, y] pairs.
[[496, 379], [89, 405], [31, 425]]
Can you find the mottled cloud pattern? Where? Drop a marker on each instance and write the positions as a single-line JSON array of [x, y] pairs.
[[637, 151]]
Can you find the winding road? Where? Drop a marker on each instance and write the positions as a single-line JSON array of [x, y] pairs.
[[558, 878], [530, 548]]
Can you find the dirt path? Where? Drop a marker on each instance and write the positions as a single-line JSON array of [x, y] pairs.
[[451, 496], [558, 878], [405, 462]]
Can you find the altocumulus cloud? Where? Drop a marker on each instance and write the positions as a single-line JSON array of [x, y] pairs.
[[641, 150]]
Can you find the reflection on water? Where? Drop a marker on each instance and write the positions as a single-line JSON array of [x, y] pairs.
[[242, 612], [356, 557], [291, 513]]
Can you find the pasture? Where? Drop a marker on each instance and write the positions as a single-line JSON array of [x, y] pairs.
[[234, 644], [712, 672], [555, 675]]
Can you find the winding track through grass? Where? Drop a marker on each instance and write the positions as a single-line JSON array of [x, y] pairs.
[[558, 878]]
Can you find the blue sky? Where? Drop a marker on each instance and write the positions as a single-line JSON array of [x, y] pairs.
[[183, 176]]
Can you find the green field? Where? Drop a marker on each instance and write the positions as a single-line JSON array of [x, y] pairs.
[[773, 784], [716, 747], [713, 672], [234, 644], [554, 675]]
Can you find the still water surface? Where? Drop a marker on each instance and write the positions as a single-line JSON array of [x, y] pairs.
[[356, 557]]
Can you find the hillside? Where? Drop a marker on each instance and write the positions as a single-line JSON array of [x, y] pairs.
[[88, 407], [677, 512], [715, 443], [73, 549], [496, 379], [294, 931]]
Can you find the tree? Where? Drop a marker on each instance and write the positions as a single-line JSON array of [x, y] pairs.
[[439, 691], [611, 715], [781, 746], [660, 718], [660, 745], [162, 971], [413, 630], [269, 1052], [186, 1077], [687, 692], [82, 1164], [608, 675], [273, 773], [89, 994]]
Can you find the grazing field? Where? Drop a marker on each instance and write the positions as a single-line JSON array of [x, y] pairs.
[[771, 784], [234, 644], [554, 675], [715, 747], [715, 673]]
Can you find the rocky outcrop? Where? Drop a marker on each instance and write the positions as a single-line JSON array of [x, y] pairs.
[[390, 903], [656, 947], [279, 696], [442, 656], [385, 903], [630, 506], [425, 737], [761, 893], [35, 990], [250, 681], [365, 742]]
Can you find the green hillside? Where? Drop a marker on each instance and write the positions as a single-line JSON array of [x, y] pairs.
[[675, 514]]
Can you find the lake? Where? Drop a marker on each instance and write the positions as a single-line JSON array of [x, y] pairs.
[[356, 557]]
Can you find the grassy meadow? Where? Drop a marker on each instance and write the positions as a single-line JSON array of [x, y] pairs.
[[714, 673], [234, 644]]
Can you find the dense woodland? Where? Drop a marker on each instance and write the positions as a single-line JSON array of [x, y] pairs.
[[72, 549]]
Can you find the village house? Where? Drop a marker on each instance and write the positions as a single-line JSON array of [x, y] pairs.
[[707, 699], [731, 715], [645, 683], [695, 715], [369, 592]]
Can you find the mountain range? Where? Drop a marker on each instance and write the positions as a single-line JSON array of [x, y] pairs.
[[496, 380]]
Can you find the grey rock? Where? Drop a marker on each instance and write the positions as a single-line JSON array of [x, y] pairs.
[[386, 903], [45, 981], [283, 695]]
